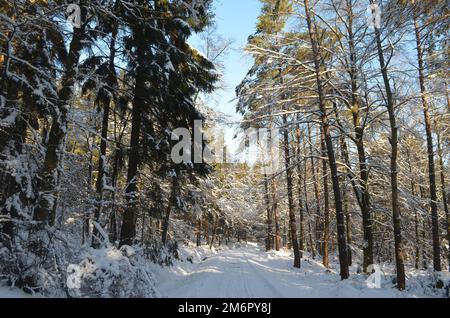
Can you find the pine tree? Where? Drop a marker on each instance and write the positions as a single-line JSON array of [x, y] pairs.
[[340, 220], [165, 82]]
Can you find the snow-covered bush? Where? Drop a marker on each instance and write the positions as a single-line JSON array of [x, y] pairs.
[[35, 262], [159, 254], [114, 273]]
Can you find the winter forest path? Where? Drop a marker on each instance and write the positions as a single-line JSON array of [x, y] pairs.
[[249, 272]]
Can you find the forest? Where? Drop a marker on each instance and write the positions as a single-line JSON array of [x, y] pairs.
[[117, 179]]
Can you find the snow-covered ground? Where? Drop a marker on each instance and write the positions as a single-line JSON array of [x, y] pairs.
[[244, 271], [7, 292], [249, 272]]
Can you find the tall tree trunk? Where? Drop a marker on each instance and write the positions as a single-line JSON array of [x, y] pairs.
[[166, 222], [171, 203], [99, 184], [128, 230], [318, 227], [416, 216], [340, 220], [394, 166], [359, 137], [199, 232], [300, 194], [206, 230], [346, 159], [12, 139], [326, 210], [290, 192], [444, 194], [213, 236], [113, 217], [105, 103], [273, 188], [275, 213], [430, 149], [47, 184], [269, 217], [305, 191], [348, 226], [425, 225]]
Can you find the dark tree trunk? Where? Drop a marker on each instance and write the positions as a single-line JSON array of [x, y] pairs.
[[444, 194], [128, 231], [269, 217], [300, 194], [275, 214], [47, 185], [206, 230], [105, 103], [430, 151], [340, 220], [359, 138], [290, 192], [348, 226], [394, 166], [12, 139], [213, 236], [171, 203], [318, 227], [416, 216], [199, 232], [326, 210], [99, 184], [305, 191], [113, 230]]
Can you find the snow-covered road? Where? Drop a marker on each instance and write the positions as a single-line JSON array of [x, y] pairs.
[[238, 273], [249, 272]]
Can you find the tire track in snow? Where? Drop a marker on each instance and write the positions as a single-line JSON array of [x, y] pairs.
[[244, 279], [270, 285]]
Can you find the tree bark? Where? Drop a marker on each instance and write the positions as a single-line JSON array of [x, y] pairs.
[[430, 149], [12, 139], [444, 193], [275, 214], [199, 232], [318, 227], [105, 103], [416, 216], [305, 191], [340, 220], [359, 137], [290, 192], [394, 166], [48, 176], [269, 218], [326, 210], [300, 194], [348, 227], [128, 230], [213, 236]]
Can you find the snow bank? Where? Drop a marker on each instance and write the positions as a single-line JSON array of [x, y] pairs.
[[113, 273]]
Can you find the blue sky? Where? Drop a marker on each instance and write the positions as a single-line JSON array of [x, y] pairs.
[[236, 20]]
